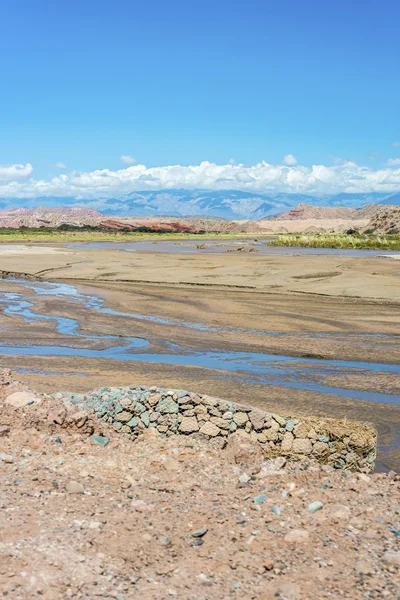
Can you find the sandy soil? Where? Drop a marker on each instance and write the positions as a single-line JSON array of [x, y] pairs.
[[180, 517], [330, 275]]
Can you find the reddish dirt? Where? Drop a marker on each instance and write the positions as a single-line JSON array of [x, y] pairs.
[[86, 522]]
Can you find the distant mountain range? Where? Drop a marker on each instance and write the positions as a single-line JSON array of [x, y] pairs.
[[226, 204]]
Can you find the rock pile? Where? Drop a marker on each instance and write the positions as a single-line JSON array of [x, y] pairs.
[[341, 444]]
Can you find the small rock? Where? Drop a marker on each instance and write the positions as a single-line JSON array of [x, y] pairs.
[[100, 440], [244, 478], [4, 430], [73, 487], [199, 533], [269, 565], [21, 399], [240, 418], [315, 506], [7, 458], [210, 429], [302, 446], [259, 499], [297, 536], [167, 406], [391, 558], [272, 466], [189, 425], [340, 511], [257, 418], [287, 441], [363, 568]]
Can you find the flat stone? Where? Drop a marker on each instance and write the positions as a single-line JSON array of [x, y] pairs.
[[210, 429], [274, 465], [145, 418], [302, 446], [228, 415], [257, 418], [73, 487], [271, 434], [290, 425], [391, 558], [320, 448], [100, 440], [220, 422], [124, 416], [199, 533], [134, 422], [301, 430], [4, 430], [189, 425], [167, 406], [280, 420], [260, 498], [21, 399], [240, 418], [243, 449], [297, 536], [340, 511], [287, 441]]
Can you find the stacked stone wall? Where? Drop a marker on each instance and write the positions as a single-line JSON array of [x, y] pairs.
[[342, 444]]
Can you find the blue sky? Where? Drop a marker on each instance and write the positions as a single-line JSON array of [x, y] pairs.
[[179, 82]]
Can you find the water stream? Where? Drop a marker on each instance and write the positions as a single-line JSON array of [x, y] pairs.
[[260, 368]]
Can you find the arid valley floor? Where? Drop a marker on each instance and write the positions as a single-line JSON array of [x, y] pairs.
[[300, 334]]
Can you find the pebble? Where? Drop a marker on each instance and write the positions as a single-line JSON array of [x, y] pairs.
[[73, 487], [315, 506], [391, 558], [259, 499], [297, 536], [244, 478], [100, 440], [199, 533], [7, 458]]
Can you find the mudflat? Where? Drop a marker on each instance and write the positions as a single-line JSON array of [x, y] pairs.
[[298, 334]]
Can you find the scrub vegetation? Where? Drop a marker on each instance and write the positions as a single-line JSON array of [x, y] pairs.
[[356, 241]]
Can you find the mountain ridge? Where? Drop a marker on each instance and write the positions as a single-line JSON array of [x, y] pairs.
[[226, 204]]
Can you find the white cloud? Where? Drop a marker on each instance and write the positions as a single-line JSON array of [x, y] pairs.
[[60, 165], [393, 162], [396, 145], [346, 176], [11, 172], [290, 160], [128, 160]]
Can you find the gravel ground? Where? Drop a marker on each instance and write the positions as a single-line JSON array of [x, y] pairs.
[[178, 517]]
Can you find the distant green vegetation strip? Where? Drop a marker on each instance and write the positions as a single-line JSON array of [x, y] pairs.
[[66, 234], [339, 240]]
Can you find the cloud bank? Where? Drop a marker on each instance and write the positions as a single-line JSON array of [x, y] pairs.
[[16, 181]]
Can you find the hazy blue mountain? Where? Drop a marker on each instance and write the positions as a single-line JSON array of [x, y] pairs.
[[228, 204]]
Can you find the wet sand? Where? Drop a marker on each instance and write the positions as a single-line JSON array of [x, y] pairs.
[[279, 313]]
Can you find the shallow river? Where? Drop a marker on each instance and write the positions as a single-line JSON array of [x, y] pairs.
[[219, 246], [286, 371]]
